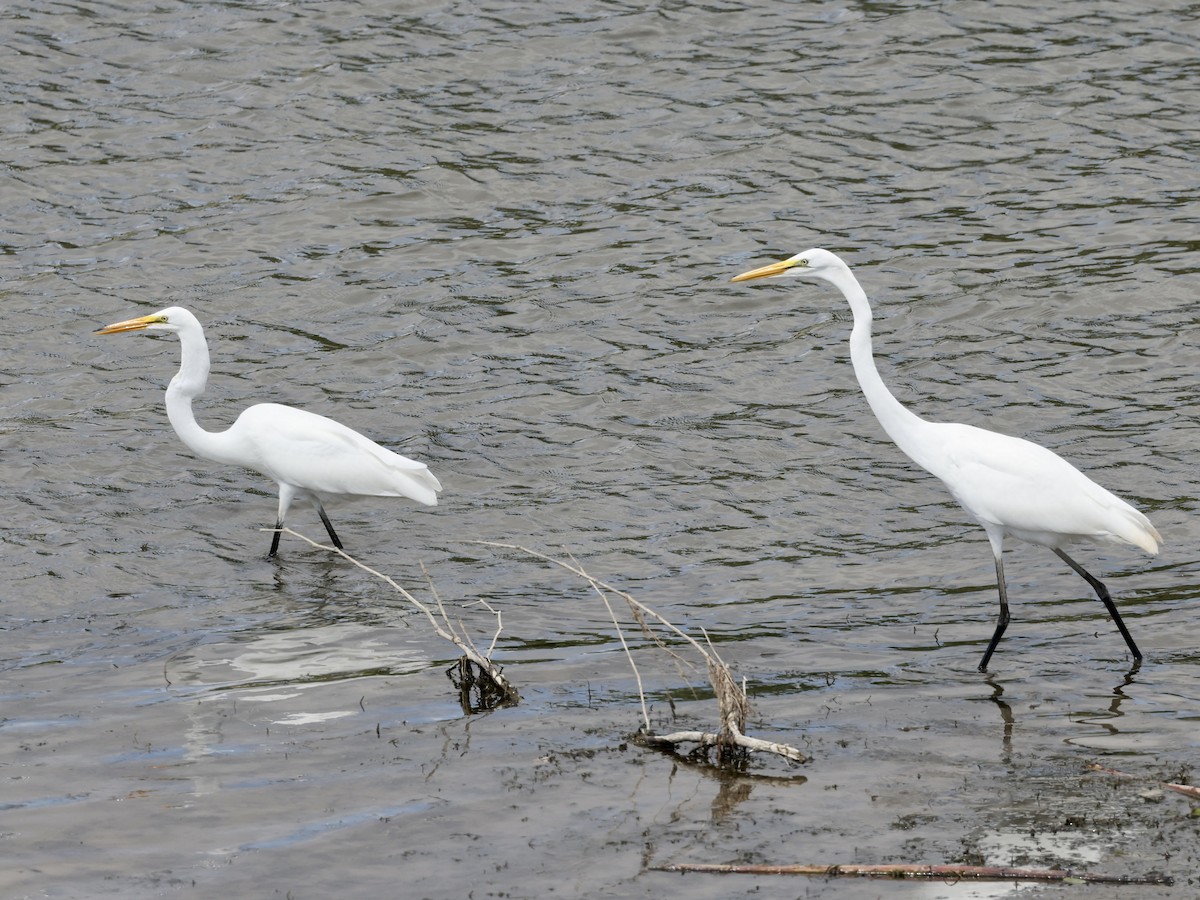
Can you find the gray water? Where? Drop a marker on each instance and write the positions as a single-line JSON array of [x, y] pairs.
[[498, 237]]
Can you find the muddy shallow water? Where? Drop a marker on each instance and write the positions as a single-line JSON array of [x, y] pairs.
[[498, 238]]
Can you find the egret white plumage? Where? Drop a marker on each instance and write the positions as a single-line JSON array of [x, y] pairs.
[[1011, 486], [307, 455]]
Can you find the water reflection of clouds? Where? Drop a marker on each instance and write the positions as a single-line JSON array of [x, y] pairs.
[[298, 680], [279, 666]]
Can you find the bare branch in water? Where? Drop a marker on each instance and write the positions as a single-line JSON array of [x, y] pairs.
[[454, 632], [905, 870], [1186, 789], [730, 741]]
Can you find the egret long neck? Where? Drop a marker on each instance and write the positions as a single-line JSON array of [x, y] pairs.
[[900, 424], [189, 382]]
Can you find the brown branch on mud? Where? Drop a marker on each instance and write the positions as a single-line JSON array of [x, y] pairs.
[[948, 873], [1186, 789], [730, 741], [476, 674]]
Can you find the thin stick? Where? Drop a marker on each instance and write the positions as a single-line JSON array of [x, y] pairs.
[[578, 570], [463, 642], [731, 702], [638, 611], [710, 739], [628, 654], [499, 626], [1186, 789], [941, 872]]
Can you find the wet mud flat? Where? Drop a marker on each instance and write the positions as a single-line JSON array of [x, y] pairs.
[[330, 753]]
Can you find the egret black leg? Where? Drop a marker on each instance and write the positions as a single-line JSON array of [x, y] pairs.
[[275, 538], [1102, 593], [328, 525], [1002, 622]]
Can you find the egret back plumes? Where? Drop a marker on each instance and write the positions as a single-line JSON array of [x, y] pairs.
[[309, 456], [1011, 486]]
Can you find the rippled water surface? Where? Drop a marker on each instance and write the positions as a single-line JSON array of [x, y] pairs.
[[498, 237]]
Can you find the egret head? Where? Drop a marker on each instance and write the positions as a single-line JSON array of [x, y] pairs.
[[172, 319], [813, 263]]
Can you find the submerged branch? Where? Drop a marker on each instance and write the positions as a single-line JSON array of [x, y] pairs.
[[905, 870]]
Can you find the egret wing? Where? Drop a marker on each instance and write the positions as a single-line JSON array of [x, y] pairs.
[[316, 454], [1033, 492]]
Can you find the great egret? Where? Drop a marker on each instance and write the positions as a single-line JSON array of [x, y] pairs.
[[1011, 486], [308, 455]]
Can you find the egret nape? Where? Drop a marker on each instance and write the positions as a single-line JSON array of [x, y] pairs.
[[1011, 486], [309, 456]]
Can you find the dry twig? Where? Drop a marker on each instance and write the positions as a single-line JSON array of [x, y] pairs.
[[1186, 789], [730, 739], [500, 689], [905, 870]]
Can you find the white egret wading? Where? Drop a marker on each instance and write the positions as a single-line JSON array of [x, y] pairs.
[[307, 455], [1011, 486]]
